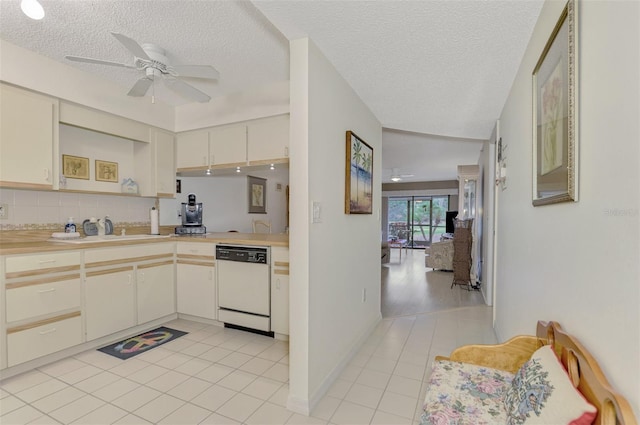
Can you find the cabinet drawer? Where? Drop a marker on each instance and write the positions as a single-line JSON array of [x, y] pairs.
[[102, 256], [47, 338], [280, 255], [26, 265], [26, 299], [186, 249]]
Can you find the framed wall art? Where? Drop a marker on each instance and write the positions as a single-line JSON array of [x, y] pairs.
[[257, 191], [106, 171], [358, 176], [75, 167], [555, 138]]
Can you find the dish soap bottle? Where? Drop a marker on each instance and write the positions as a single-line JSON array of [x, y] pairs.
[[70, 227]]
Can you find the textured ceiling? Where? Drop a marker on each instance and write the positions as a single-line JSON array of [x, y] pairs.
[[423, 67]]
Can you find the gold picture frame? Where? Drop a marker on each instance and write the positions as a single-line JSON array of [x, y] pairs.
[[75, 167], [555, 138], [257, 193], [358, 176], [106, 171]]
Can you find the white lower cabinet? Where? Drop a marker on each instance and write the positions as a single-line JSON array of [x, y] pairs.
[[155, 291], [109, 301], [42, 338], [196, 280], [41, 305], [280, 290]]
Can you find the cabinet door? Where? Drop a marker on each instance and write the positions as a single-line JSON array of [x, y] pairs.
[[196, 290], [280, 302], [228, 145], [165, 164], [192, 149], [109, 302], [280, 290], [268, 139], [27, 127], [156, 292]]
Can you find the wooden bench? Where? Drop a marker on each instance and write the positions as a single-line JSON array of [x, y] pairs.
[[501, 364]]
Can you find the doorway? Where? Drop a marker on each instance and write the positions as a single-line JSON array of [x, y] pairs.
[[418, 219]]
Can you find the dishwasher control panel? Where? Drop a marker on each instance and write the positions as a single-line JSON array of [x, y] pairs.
[[243, 254]]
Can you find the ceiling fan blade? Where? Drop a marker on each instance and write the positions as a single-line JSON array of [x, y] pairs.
[[197, 71], [97, 61], [140, 88], [186, 90], [131, 46]]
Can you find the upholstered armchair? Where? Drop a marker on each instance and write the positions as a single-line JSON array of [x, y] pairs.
[[440, 255]]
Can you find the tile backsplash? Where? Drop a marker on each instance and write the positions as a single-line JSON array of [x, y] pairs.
[[30, 209]]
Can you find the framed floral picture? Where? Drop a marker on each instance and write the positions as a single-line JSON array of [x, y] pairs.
[[358, 176], [257, 191], [75, 167], [555, 141], [106, 171]]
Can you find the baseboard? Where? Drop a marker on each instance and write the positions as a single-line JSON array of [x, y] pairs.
[[305, 407]]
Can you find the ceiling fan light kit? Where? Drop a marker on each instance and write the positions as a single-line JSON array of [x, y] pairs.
[[152, 59]]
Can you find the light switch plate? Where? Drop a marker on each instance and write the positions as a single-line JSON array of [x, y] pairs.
[[317, 210], [4, 211]]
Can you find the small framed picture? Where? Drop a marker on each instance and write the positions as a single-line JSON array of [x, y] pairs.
[[106, 171], [257, 191], [75, 167]]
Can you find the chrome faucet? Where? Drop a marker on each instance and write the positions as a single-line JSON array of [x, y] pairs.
[[102, 225]]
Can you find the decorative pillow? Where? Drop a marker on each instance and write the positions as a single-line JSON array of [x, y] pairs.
[[542, 393]]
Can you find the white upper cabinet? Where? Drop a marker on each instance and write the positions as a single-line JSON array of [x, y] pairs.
[[164, 148], [268, 139], [256, 142], [192, 149], [228, 145], [28, 130]]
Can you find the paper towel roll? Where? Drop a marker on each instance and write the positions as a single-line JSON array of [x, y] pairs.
[[155, 229]]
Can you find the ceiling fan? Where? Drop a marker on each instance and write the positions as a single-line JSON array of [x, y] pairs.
[[396, 177], [151, 59]]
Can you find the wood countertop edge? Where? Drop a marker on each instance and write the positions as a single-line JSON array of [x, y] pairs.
[[31, 247]]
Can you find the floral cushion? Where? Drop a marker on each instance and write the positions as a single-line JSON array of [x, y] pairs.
[[542, 393], [465, 394]]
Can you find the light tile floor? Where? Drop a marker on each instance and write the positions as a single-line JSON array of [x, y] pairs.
[[221, 376]]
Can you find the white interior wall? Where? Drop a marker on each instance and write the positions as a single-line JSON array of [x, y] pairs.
[[225, 201], [334, 261], [487, 166], [39, 73], [577, 263]]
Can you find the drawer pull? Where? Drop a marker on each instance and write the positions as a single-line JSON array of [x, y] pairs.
[[46, 261], [50, 331], [43, 291]]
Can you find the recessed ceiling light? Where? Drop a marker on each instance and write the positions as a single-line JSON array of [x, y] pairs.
[[32, 9]]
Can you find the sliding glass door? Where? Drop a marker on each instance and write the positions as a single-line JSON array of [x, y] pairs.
[[420, 220]]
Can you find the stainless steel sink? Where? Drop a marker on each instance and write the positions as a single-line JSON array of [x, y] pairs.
[[109, 238]]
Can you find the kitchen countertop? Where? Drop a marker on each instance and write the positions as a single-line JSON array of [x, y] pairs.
[[12, 246]]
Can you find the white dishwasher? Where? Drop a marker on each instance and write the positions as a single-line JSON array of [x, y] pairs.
[[244, 287]]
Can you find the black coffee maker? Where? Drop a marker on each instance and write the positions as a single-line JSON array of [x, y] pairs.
[[191, 217]]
